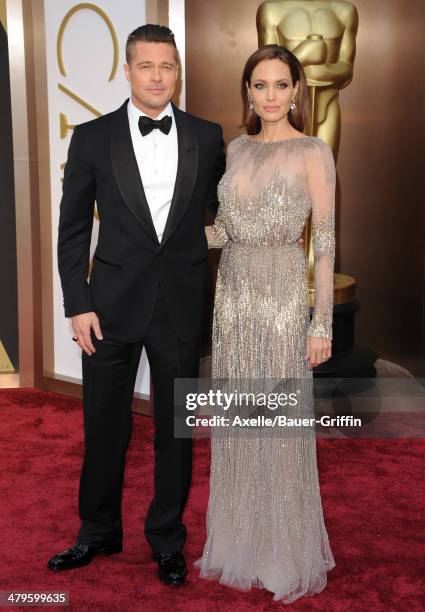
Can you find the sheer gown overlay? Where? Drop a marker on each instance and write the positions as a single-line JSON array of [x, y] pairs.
[[265, 524]]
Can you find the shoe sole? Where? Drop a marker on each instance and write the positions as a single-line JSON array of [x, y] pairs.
[[171, 582], [108, 550]]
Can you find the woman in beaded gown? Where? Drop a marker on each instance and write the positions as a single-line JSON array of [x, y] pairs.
[[265, 524]]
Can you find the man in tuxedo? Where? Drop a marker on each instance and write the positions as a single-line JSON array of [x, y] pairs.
[[152, 169]]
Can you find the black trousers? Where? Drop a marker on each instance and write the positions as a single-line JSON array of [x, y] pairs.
[[108, 383]]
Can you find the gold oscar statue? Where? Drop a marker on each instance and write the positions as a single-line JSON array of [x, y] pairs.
[[5, 363], [322, 35]]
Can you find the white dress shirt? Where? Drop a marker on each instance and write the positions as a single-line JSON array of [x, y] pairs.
[[157, 157]]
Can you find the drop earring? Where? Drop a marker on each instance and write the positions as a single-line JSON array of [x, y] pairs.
[[293, 105], [250, 103]]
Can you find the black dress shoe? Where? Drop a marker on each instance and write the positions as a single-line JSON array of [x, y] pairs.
[[171, 567], [81, 554]]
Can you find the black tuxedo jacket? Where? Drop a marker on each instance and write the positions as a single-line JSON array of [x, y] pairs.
[[130, 263]]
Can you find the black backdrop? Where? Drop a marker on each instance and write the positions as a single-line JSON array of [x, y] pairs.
[[8, 277]]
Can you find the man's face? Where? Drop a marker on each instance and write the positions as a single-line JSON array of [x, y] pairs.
[[152, 72]]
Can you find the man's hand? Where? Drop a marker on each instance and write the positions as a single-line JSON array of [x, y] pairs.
[[300, 240], [82, 324], [318, 350]]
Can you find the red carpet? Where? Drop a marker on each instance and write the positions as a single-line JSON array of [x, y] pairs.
[[373, 498]]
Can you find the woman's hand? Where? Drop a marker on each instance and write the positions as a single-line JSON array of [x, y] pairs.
[[318, 350]]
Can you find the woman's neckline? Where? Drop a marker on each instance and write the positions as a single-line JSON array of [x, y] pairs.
[[250, 138]]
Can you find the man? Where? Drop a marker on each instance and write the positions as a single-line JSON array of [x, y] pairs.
[[152, 169]]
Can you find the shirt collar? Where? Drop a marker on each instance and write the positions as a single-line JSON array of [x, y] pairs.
[[135, 113]]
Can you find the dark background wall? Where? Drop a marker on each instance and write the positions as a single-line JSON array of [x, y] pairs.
[[8, 278], [380, 192]]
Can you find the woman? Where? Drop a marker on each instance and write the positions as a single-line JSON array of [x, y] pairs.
[[265, 523]]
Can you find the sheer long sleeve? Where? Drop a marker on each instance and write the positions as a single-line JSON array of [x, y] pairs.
[[321, 181], [216, 233]]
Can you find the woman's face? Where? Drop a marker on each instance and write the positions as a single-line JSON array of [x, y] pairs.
[[271, 89]]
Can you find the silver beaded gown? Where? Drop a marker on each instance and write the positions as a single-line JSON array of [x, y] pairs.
[[265, 524]]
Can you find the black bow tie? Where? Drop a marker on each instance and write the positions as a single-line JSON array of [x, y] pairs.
[[146, 124]]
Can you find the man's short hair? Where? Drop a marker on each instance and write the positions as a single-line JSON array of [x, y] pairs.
[[149, 33]]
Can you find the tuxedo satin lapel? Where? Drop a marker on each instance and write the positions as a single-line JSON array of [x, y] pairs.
[[187, 169], [127, 173]]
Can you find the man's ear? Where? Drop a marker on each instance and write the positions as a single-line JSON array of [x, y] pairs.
[[127, 71]]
